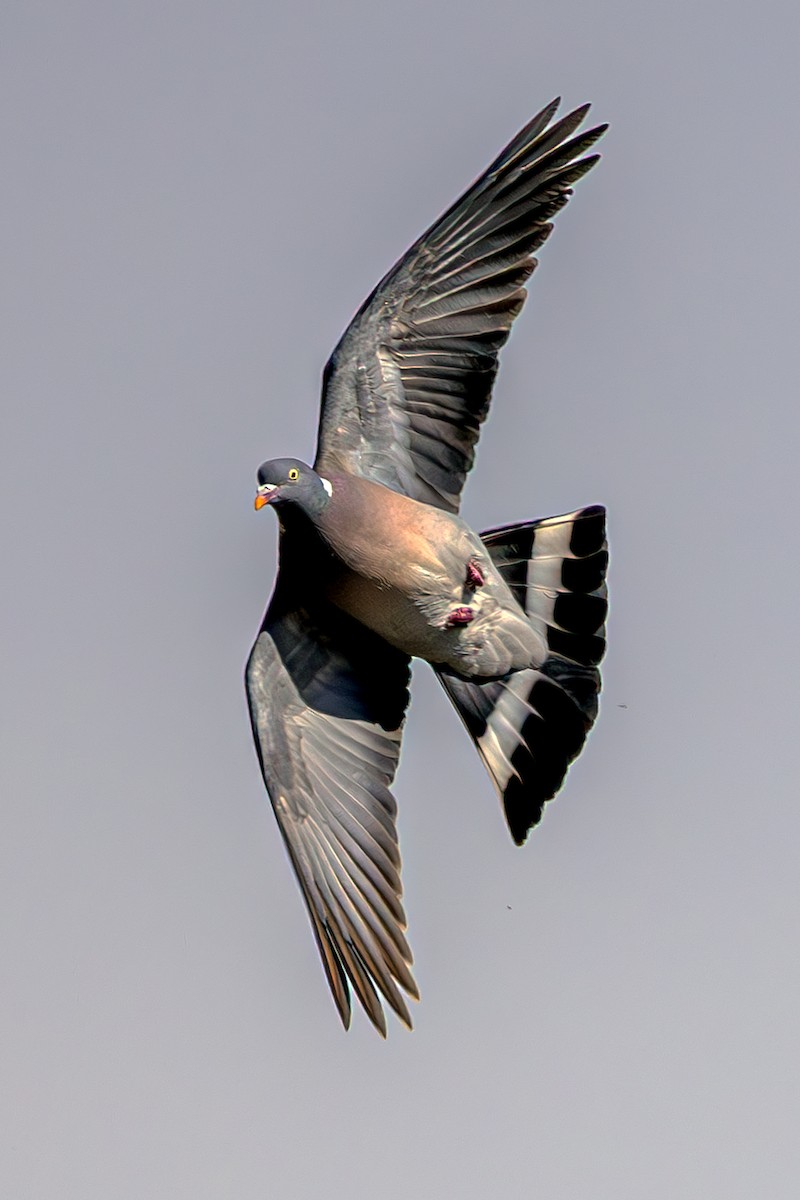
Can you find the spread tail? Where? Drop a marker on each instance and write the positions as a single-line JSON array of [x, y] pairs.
[[529, 726]]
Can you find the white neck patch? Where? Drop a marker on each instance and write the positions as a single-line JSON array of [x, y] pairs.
[[326, 483]]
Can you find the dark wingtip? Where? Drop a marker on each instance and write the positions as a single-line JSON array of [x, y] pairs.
[[597, 131], [345, 1015], [412, 992], [581, 111]]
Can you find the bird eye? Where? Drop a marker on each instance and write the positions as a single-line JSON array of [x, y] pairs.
[[294, 473]]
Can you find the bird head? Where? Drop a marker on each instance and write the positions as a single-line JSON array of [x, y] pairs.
[[285, 481]]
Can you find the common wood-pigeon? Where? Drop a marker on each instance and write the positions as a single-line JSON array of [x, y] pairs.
[[376, 567]]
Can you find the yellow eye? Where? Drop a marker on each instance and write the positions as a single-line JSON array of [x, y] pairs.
[[294, 473]]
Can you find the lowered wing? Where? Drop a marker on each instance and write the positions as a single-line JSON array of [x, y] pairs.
[[327, 702]]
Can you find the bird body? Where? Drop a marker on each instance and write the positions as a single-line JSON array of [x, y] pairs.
[[401, 569], [377, 568]]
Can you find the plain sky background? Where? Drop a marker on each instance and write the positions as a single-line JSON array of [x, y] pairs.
[[197, 196]]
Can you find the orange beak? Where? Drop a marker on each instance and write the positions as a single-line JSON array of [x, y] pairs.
[[264, 495]]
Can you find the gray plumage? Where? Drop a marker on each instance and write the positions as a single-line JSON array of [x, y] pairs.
[[376, 567]]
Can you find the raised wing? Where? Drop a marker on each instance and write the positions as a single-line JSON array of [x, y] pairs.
[[408, 386], [327, 701]]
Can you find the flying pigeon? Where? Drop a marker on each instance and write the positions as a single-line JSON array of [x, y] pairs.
[[376, 568]]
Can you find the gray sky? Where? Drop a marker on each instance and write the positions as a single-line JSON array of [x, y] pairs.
[[197, 197]]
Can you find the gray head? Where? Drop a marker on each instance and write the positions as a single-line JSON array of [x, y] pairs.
[[288, 481]]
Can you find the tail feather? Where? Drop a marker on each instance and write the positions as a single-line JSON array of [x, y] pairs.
[[529, 726]]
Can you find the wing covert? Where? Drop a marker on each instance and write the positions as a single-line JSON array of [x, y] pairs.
[[408, 386]]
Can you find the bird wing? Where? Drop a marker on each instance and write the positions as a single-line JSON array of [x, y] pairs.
[[327, 702], [409, 384]]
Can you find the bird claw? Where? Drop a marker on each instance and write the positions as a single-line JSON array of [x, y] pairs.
[[475, 576], [460, 616]]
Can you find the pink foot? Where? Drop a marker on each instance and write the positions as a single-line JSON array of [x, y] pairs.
[[460, 616], [475, 576]]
